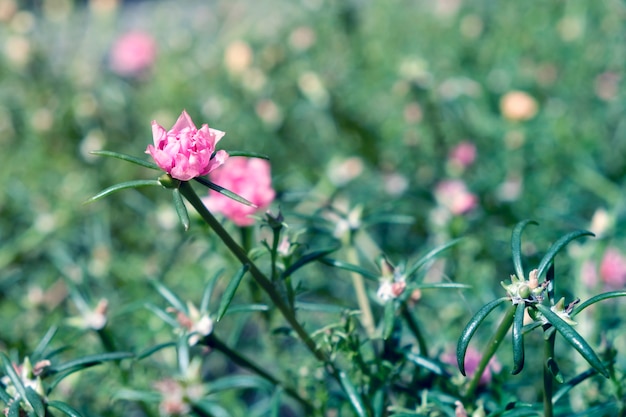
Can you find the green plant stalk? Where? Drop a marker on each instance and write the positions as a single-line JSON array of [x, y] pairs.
[[490, 350], [415, 328], [188, 192], [548, 378], [367, 318], [212, 341]]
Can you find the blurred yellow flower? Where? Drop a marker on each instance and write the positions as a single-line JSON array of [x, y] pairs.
[[518, 106]]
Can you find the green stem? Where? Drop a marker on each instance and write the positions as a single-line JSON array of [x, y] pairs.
[[367, 318], [415, 328], [188, 192], [548, 378], [212, 341], [490, 350]]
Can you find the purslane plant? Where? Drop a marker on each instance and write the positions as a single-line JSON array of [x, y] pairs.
[[528, 294]]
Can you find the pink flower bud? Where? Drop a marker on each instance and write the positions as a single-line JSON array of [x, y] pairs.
[[185, 152], [247, 177], [463, 155], [613, 268], [454, 195]]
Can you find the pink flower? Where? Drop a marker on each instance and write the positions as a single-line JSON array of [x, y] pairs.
[[472, 359], [132, 53], [186, 152], [463, 155], [613, 268], [247, 177], [454, 195]]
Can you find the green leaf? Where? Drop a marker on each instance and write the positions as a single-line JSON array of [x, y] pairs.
[[15, 379], [208, 408], [353, 395], [352, 268], [238, 382], [14, 409], [599, 297], [248, 154], [123, 186], [35, 401], [518, 339], [323, 308], [224, 191], [181, 209], [429, 256], [388, 319], [442, 285], [557, 246], [64, 408], [128, 158], [4, 397], [182, 353], [91, 360], [208, 292], [171, 298], [247, 308], [229, 293], [567, 386], [516, 246], [43, 344], [471, 328], [162, 314], [154, 349], [425, 363], [308, 258], [574, 339]]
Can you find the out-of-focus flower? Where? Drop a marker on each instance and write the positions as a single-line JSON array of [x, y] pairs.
[[132, 53], [238, 57], [472, 359], [463, 155], [601, 222], [302, 38], [185, 152], [392, 281], [613, 268], [589, 274], [248, 177], [518, 106], [342, 171], [454, 195], [196, 323], [606, 85]]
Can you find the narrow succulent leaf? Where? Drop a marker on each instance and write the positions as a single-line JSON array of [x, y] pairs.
[[224, 191], [352, 268], [247, 308], [182, 354], [516, 246], [573, 338], [229, 293], [43, 344], [35, 401], [599, 297], [14, 409], [550, 282], [4, 397], [275, 403], [208, 292], [322, 308], [15, 379], [171, 298], [572, 383], [127, 158], [425, 363], [123, 186], [518, 339], [554, 369], [388, 219], [353, 395], [530, 327], [557, 246], [308, 258], [208, 408], [388, 319], [91, 360], [154, 349], [181, 209], [471, 328], [64, 408], [248, 154], [443, 285], [160, 313], [430, 256]]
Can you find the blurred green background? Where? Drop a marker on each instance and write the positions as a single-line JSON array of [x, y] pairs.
[[363, 100]]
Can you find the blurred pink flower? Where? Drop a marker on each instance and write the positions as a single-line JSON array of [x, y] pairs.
[[185, 152], [613, 268], [472, 359], [247, 177], [463, 155], [454, 195], [132, 53]]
